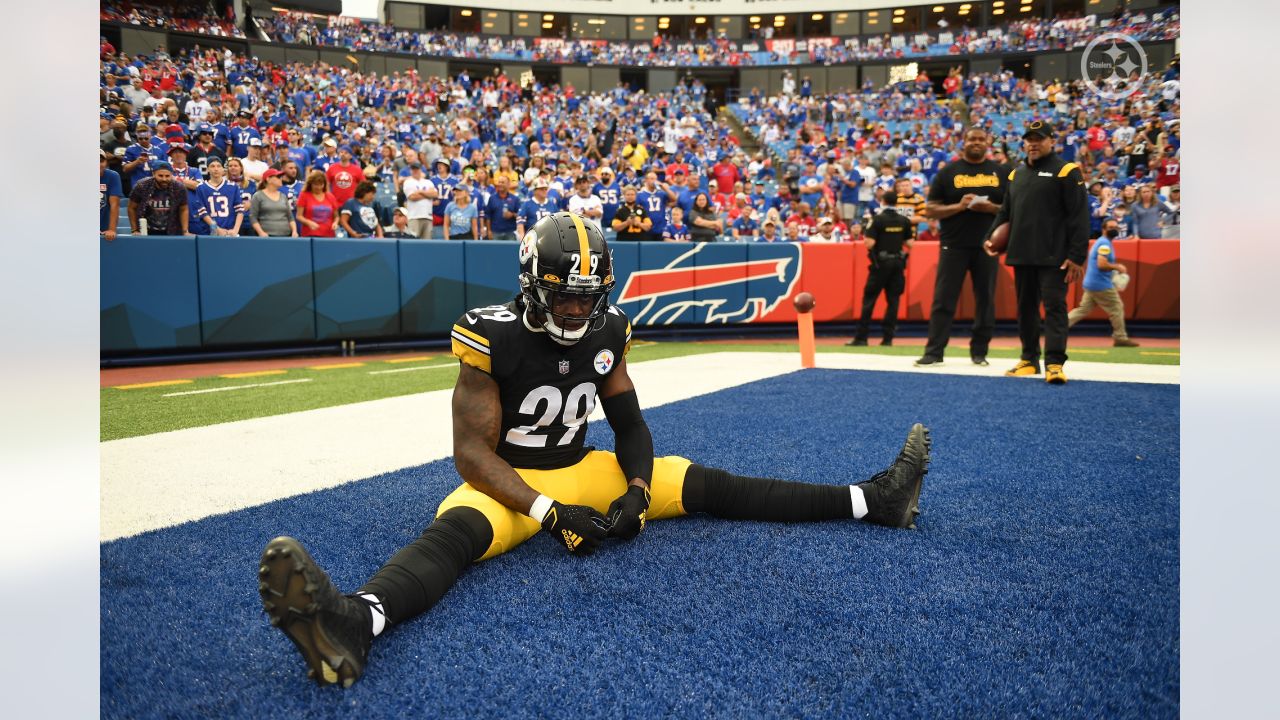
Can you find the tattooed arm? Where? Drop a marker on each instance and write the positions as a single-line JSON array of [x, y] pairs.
[[477, 420]]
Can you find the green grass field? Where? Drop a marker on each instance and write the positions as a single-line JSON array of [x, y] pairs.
[[146, 410]]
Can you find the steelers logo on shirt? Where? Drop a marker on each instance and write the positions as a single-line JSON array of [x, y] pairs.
[[604, 362]]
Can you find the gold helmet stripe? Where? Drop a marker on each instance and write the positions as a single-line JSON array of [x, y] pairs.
[[584, 248]]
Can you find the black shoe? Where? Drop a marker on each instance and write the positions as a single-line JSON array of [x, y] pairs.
[[332, 631], [928, 361], [893, 495], [857, 342], [980, 360], [887, 342]]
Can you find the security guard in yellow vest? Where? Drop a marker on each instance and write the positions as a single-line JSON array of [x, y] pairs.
[[888, 239], [1048, 214]]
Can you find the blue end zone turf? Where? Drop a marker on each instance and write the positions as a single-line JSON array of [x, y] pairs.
[[1043, 581]]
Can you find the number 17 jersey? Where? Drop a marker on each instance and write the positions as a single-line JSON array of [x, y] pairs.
[[547, 389]]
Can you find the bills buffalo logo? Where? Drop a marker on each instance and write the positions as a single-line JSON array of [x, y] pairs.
[[694, 288]]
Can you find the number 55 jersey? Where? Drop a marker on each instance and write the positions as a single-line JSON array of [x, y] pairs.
[[547, 389]]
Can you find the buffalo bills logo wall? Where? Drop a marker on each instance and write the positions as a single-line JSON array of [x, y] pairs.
[[604, 361], [713, 283]]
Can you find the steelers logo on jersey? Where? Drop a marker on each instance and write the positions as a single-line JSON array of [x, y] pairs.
[[604, 361]]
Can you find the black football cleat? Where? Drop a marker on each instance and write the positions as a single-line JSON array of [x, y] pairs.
[[893, 495], [332, 631]]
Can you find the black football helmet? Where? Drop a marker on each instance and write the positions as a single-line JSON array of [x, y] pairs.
[[563, 258]]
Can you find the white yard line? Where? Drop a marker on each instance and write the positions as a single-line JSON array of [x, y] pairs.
[[235, 387], [1075, 369], [411, 369], [156, 481]]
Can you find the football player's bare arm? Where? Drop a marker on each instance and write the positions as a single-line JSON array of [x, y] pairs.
[[477, 421]]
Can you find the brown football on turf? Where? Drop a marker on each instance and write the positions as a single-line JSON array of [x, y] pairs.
[[803, 302], [999, 240]]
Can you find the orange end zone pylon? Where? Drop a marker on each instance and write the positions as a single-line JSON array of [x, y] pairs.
[[807, 342]]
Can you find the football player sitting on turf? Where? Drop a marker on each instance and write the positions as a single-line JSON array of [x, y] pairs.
[[531, 372]]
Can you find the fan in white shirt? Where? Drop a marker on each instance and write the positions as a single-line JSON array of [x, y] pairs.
[[584, 203]]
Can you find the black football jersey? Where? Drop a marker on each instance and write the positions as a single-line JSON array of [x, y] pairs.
[[548, 390]]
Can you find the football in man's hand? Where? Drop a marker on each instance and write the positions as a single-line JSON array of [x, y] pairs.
[[999, 240], [804, 302]]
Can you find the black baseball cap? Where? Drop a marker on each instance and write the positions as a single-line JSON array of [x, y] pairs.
[[1039, 127]]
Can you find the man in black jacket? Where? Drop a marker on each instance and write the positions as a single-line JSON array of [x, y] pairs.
[[1048, 216]]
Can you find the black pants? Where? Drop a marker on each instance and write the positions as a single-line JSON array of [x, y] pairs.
[[953, 264], [887, 275], [1038, 285]]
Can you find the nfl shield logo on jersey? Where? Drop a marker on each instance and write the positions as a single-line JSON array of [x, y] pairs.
[[604, 361], [564, 367]]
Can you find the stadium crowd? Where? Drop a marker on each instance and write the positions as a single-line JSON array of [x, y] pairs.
[[459, 157], [186, 17], [716, 50]]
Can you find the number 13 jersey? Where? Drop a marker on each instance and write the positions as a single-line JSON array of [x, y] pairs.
[[547, 389]]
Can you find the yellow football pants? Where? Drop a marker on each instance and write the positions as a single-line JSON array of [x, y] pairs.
[[596, 481]]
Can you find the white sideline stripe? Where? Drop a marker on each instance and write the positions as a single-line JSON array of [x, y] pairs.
[[235, 387], [1075, 369], [410, 369], [160, 480]]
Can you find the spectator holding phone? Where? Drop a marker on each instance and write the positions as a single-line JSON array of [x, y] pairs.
[[141, 158], [705, 224]]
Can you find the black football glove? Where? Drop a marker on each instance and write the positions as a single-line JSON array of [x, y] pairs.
[[627, 513], [579, 527]]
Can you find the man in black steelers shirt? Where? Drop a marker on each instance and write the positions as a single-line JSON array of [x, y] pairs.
[[531, 372], [964, 196]]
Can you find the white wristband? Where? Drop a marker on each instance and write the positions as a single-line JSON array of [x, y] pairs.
[[540, 507]]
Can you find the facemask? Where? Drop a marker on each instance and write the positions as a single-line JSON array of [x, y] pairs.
[[1112, 233]]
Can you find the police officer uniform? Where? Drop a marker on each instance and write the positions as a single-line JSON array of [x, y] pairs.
[[893, 232], [961, 253], [1048, 215]]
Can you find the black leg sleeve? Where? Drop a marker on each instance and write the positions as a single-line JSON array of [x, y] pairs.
[[724, 495], [417, 577]]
